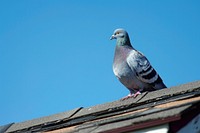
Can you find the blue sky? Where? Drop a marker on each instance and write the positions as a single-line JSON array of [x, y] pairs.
[[55, 55]]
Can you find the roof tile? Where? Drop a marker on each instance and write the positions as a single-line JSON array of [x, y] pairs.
[[42, 120]]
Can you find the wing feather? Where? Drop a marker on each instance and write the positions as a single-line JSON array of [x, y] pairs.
[[142, 67]]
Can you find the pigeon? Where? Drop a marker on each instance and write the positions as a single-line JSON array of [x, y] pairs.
[[132, 68]]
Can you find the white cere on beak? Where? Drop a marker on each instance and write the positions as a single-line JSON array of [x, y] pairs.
[[112, 37]]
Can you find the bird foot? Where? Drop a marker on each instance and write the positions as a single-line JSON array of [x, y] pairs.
[[131, 95], [136, 94]]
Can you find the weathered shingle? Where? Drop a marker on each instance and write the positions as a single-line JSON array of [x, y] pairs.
[[126, 124], [44, 121], [158, 106], [5, 127]]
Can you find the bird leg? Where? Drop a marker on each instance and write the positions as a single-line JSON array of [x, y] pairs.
[[131, 95], [136, 94]]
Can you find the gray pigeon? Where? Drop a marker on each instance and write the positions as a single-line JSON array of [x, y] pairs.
[[132, 68]]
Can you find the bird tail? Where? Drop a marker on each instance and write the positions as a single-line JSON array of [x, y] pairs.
[[160, 85]]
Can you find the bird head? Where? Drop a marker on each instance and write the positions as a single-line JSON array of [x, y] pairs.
[[122, 37], [119, 34]]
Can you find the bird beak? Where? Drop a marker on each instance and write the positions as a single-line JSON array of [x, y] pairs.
[[113, 37]]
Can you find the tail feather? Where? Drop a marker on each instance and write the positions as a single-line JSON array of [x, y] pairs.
[[158, 84]]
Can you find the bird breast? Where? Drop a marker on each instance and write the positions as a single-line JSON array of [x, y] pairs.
[[122, 70]]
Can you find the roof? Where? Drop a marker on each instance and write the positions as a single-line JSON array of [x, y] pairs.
[[148, 109]]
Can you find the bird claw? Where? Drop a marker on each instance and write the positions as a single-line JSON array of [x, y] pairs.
[[131, 95], [126, 97], [136, 94]]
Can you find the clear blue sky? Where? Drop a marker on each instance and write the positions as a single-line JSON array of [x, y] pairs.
[[55, 55]]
